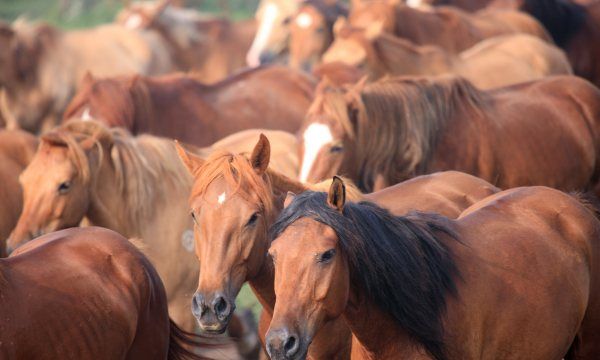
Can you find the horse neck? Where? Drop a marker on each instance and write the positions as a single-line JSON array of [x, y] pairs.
[[410, 59], [367, 342], [145, 114]]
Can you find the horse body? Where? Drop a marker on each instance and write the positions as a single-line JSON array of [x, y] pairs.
[[96, 297], [180, 107], [531, 252], [16, 150], [46, 65]]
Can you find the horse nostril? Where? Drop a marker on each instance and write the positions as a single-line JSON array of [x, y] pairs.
[[221, 307], [291, 346], [198, 307]]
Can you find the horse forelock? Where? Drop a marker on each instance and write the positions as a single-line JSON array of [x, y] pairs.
[[395, 262], [331, 103], [239, 175]]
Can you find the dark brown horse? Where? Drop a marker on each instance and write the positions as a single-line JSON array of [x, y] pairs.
[[575, 28], [183, 108], [545, 132], [212, 47], [89, 294], [16, 151], [515, 276], [446, 27], [234, 201]]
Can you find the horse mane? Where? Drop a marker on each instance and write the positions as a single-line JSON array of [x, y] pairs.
[[562, 18], [405, 114], [143, 165], [398, 263]]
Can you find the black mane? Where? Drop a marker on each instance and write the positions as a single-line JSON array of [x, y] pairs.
[[562, 18], [397, 261]]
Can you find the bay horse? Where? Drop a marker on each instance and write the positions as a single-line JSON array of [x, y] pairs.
[[434, 285], [134, 185], [16, 151], [543, 132], [181, 107], [95, 297], [42, 66], [212, 47], [311, 31], [447, 27], [499, 61], [575, 28], [235, 199]]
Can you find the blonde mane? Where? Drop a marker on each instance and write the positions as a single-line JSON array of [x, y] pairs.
[[398, 122], [145, 167]]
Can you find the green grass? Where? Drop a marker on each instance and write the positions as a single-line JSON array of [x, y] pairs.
[[247, 300]]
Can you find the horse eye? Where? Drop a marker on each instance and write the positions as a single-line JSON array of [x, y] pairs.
[[336, 149], [320, 30], [326, 256], [252, 219], [64, 187], [194, 217], [287, 20]]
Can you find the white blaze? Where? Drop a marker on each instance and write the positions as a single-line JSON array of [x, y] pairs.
[[414, 3], [134, 21], [304, 20], [221, 199], [315, 137], [262, 34], [86, 114]]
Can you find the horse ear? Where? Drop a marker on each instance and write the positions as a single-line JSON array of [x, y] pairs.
[[339, 25], [192, 162], [261, 155], [88, 78], [374, 29], [336, 198], [288, 199]]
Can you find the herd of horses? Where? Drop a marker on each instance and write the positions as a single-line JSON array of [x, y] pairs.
[[393, 179]]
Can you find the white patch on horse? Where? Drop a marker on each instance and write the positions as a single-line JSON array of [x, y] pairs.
[[187, 240], [262, 34], [414, 3], [221, 199], [304, 20], [315, 137], [86, 114], [134, 21]]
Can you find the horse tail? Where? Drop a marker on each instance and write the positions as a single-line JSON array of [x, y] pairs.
[[183, 343]]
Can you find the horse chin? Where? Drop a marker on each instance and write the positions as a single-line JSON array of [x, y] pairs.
[[213, 329]]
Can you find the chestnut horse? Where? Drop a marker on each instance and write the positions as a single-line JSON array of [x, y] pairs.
[[311, 31], [133, 185], [447, 27], [424, 286], [234, 201], [183, 108], [16, 151], [90, 294], [575, 28], [544, 132], [212, 47], [499, 61], [42, 66]]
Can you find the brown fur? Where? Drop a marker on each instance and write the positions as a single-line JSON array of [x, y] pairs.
[[183, 108]]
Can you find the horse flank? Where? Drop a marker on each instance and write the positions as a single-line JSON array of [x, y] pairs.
[[397, 262]]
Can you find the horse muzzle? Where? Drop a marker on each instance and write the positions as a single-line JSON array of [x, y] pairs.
[[213, 314]]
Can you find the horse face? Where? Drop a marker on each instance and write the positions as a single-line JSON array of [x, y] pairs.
[[55, 196], [311, 284], [349, 47], [309, 37], [370, 12], [231, 242]]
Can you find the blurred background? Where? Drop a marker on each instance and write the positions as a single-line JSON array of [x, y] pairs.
[[73, 14]]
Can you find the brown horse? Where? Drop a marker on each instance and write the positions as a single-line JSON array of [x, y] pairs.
[[181, 107], [575, 28], [133, 185], [234, 201], [211, 47], [544, 132], [499, 61], [311, 31], [95, 297], [16, 151], [40, 66], [447, 27], [434, 286]]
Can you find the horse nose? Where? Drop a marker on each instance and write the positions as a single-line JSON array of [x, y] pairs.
[[221, 307], [282, 344], [198, 305]]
